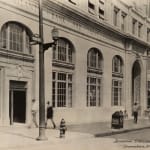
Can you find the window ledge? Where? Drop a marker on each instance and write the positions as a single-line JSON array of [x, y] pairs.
[[16, 55], [94, 70], [114, 74], [63, 64]]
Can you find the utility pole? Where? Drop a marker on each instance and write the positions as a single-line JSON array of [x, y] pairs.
[[41, 78], [38, 39]]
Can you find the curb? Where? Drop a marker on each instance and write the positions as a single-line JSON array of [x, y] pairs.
[[119, 131]]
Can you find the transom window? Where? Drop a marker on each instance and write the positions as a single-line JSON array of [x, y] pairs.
[[95, 59], [15, 37], [62, 89], [117, 65], [93, 91], [63, 51]]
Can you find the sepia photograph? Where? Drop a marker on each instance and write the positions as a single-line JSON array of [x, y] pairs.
[[75, 74]]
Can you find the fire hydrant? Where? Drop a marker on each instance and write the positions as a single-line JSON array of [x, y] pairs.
[[62, 128]]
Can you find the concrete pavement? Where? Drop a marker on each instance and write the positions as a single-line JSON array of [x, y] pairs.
[[20, 137], [101, 129], [78, 137]]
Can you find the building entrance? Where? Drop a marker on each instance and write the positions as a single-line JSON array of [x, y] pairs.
[[136, 83], [17, 102]]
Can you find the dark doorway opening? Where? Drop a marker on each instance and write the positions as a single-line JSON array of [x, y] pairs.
[[17, 103], [136, 83]]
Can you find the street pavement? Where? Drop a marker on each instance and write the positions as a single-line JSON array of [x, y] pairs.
[[78, 137], [138, 135], [101, 129]]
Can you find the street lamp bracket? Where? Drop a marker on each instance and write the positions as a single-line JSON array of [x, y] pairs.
[[48, 45], [35, 39]]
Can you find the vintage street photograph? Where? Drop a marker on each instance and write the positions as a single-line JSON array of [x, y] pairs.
[[75, 74]]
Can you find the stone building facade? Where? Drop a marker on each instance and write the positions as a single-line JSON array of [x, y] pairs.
[[100, 63]]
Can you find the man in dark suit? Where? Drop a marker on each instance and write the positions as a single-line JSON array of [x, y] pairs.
[[50, 115]]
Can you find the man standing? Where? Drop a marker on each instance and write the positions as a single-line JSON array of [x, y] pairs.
[[34, 111], [50, 115], [135, 112]]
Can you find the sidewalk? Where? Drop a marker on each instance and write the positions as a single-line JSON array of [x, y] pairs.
[[23, 138]]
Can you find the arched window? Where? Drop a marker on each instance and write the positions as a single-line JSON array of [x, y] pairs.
[[94, 59], [15, 37], [63, 51], [117, 80], [94, 78], [62, 75], [117, 65]]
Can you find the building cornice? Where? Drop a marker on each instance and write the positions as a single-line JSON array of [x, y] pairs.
[[85, 19], [82, 18]]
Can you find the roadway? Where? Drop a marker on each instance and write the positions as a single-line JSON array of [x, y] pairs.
[[139, 135]]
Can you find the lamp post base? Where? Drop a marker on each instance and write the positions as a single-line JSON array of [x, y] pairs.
[[42, 136]]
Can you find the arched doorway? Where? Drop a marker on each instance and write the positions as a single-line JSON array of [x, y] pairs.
[[136, 83]]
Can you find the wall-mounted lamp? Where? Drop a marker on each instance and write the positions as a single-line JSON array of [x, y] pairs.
[[36, 39], [55, 37]]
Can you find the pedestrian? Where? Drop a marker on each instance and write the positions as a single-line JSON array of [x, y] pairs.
[[50, 115], [34, 111], [125, 114], [136, 108]]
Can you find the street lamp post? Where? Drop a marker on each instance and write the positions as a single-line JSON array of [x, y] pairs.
[[38, 39], [41, 79]]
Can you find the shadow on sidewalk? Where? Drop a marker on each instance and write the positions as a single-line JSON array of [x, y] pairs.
[[17, 134]]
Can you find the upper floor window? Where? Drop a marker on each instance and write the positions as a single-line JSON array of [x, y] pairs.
[[117, 65], [140, 30], [101, 9], [123, 21], [72, 1], [15, 37], [134, 22], [91, 6], [63, 51], [115, 16]]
